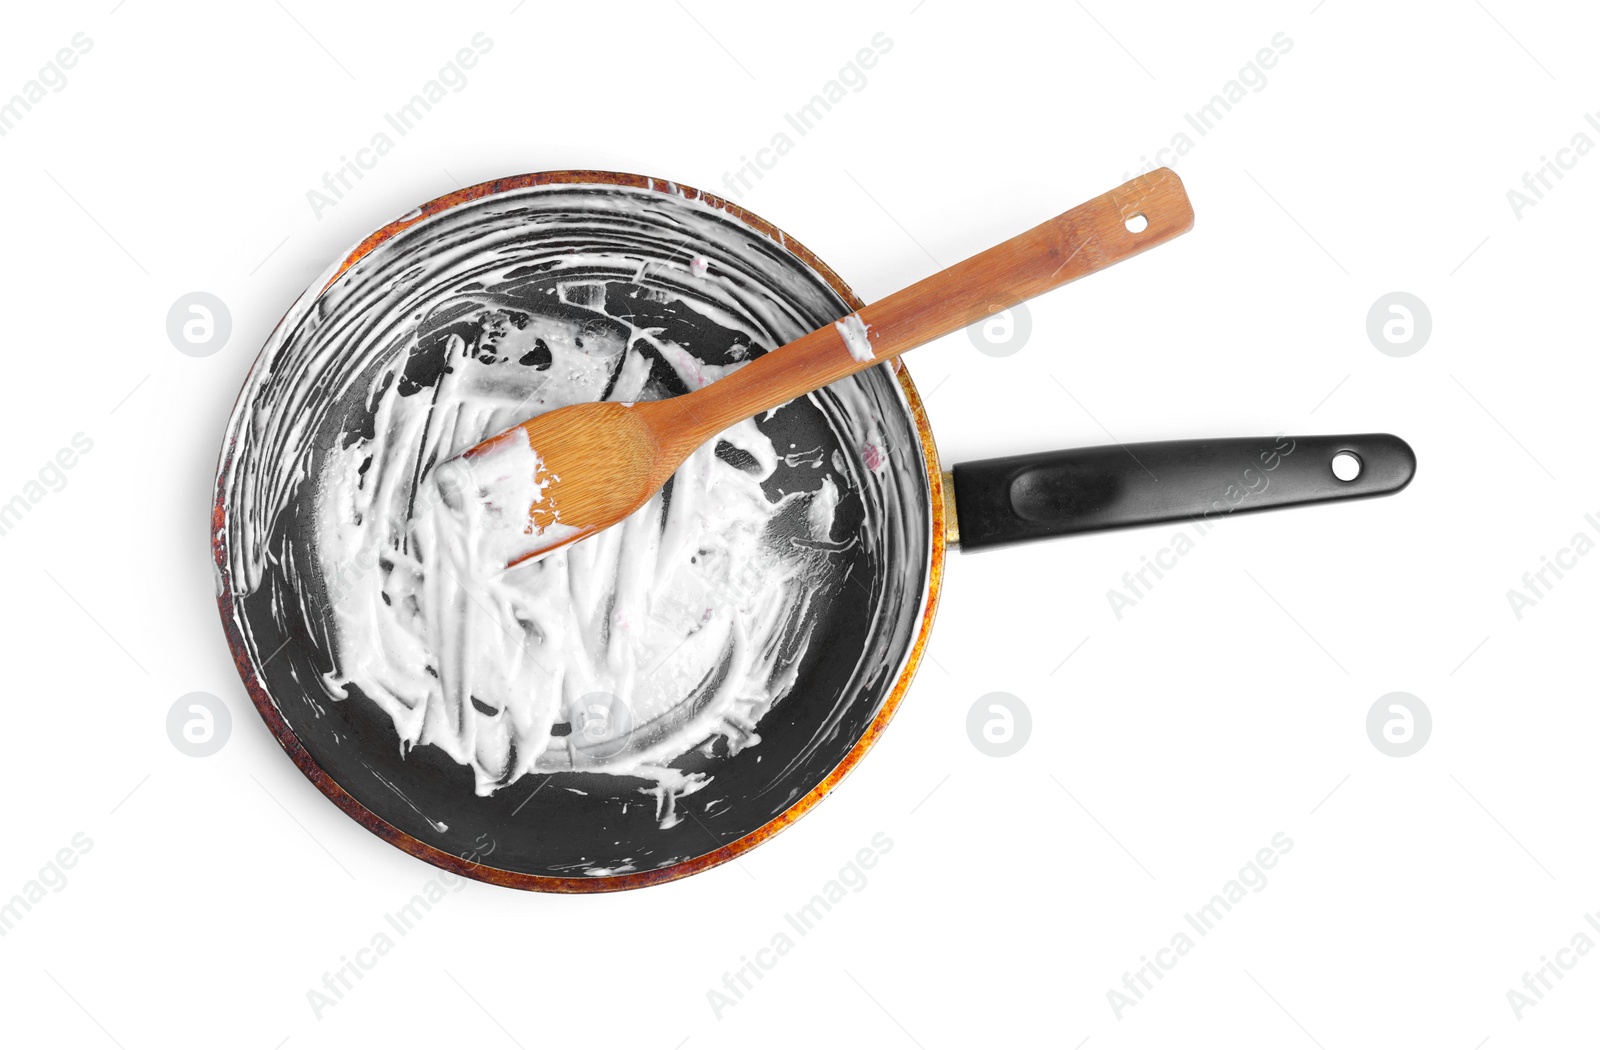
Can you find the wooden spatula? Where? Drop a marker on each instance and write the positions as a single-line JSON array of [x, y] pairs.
[[584, 468]]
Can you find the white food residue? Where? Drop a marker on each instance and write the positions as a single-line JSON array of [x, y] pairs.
[[856, 339], [617, 653], [637, 653]]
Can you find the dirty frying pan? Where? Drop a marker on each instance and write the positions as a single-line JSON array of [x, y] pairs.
[[639, 283]]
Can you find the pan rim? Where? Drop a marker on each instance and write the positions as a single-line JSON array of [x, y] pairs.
[[471, 867]]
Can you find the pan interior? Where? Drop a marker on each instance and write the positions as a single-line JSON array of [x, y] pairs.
[[462, 324]]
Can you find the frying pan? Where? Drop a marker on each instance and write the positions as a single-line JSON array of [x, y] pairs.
[[617, 254]]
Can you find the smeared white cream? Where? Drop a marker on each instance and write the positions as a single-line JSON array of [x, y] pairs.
[[669, 623], [477, 508], [856, 339], [674, 632]]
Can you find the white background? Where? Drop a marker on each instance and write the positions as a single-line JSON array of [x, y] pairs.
[[1229, 705]]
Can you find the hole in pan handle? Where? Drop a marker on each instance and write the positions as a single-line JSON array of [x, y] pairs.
[[1017, 498]]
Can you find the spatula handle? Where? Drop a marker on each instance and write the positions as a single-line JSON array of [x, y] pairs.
[[1090, 237]]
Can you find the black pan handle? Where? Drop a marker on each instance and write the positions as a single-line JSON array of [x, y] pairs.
[[1016, 498]]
